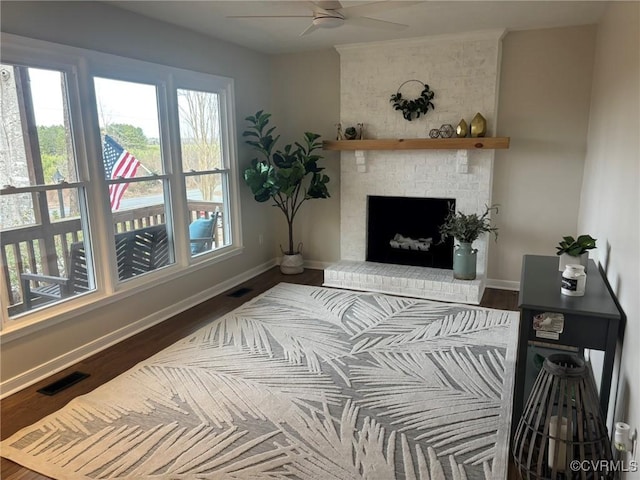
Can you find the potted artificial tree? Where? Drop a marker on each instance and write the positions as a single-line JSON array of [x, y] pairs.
[[289, 177], [574, 250], [465, 229]]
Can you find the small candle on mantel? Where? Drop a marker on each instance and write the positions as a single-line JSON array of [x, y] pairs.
[[557, 431]]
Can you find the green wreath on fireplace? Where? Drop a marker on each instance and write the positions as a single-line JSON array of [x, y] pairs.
[[413, 108]]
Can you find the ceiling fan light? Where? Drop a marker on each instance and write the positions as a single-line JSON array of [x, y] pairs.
[[328, 22]]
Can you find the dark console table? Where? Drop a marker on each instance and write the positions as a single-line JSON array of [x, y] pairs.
[[592, 321]]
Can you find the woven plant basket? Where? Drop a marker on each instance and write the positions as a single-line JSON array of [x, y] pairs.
[[561, 434]]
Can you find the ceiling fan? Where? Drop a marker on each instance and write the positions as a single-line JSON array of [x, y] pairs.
[[331, 14]]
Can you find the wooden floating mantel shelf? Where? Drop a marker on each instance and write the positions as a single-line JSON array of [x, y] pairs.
[[462, 145], [488, 143]]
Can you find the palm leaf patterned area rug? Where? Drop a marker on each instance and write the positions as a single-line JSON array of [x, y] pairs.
[[300, 383]]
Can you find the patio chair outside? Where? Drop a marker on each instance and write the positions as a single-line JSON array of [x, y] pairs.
[[202, 233], [137, 252]]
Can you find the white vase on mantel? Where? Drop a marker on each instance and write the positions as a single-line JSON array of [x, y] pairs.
[[566, 259]]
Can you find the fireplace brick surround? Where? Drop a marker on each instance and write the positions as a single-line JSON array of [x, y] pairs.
[[463, 71]]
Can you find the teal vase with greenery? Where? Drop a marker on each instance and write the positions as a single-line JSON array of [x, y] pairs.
[[464, 261], [466, 229]]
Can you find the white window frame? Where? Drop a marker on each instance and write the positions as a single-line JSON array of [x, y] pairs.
[[223, 87], [81, 66]]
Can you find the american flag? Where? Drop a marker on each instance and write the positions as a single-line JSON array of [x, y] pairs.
[[118, 163]]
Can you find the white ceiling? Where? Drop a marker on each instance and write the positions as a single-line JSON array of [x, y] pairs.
[[274, 36]]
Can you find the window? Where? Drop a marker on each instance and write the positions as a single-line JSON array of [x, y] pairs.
[[205, 169], [139, 182], [44, 229], [134, 173]]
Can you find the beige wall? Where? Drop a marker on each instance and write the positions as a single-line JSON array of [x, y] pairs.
[[610, 200], [543, 106], [306, 97], [91, 25]]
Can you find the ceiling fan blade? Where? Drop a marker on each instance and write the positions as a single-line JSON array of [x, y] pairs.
[[373, 8], [309, 29], [269, 16], [373, 23]]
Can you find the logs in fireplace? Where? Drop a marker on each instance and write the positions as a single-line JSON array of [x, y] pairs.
[[404, 231]]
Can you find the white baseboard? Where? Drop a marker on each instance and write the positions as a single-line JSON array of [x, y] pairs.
[[502, 284], [58, 364], [312, 264]]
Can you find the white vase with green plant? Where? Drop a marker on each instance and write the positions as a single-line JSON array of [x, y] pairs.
[[575, 251]]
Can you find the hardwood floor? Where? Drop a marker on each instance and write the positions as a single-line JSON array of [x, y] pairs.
[[28, 406]]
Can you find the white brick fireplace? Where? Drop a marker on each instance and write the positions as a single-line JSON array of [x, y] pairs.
[[463, 71]]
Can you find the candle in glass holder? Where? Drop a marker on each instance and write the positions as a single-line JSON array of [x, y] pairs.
[[558, 432]]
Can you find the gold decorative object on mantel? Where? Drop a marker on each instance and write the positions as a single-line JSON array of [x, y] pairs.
[[462, 130], [478, 126]]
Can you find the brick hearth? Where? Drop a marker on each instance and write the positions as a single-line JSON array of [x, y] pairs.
[[404, 280]]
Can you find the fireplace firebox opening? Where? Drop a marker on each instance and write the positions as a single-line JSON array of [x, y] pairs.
[[404, 231]]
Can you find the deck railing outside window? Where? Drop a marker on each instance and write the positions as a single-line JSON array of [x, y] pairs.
[[22, 253]]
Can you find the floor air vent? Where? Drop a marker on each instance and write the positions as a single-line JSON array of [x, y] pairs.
[[240, 292], [63, 383]]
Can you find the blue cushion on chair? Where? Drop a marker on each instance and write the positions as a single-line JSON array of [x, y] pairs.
[[201, 228]]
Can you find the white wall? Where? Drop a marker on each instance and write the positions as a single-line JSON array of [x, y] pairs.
[[610, 199], [92, 25], [543, 106]]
